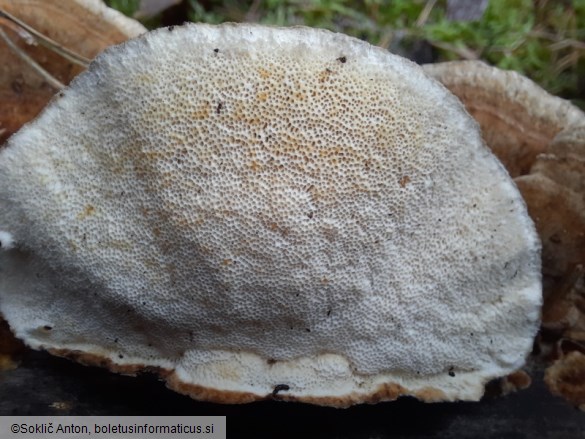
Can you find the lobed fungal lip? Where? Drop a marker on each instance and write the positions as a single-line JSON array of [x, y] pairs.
[[259, 212]]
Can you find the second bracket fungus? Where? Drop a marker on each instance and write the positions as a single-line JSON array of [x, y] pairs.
[[84, 27], [258, 212]]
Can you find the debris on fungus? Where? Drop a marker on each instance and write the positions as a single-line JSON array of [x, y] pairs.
[[259, 212]]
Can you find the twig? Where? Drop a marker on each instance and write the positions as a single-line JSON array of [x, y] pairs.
[[48, 42], [424, 15], [566, 62], [252, 14], [56, 84], [559, 42], [463, 52]]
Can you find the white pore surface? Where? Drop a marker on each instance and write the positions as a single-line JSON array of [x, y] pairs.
[[252, 206]]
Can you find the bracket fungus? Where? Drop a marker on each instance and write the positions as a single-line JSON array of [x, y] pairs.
[[258, 212]]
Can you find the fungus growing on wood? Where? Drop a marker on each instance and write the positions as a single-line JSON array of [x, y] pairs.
[[261, 212]]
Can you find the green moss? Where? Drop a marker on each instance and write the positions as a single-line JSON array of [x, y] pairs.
[[542, 39], [128, 7]]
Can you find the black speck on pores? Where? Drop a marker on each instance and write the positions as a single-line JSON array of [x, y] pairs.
[[216, 50], [170, 28], [47, 327], [451, 371], [280, 388], [342, 59], [219, 108]]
